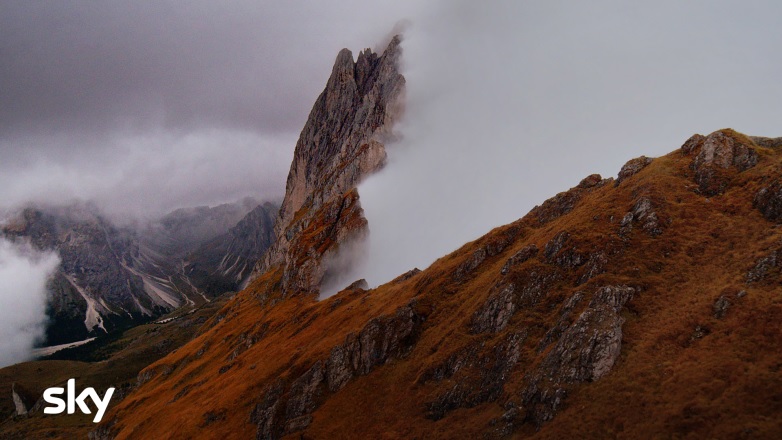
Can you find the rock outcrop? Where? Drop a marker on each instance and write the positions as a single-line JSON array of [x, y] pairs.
[[586, 351], [478, 375], [632, 167], [645, 214], [566, 201], [717, 157], [768, 200], [341, 143], [23, 400], [286, 407], [767, 268]]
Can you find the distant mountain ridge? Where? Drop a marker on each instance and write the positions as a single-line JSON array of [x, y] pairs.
[[225, 262], [112, 276], [183, 230]]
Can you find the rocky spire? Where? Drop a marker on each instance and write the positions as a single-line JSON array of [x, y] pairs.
[[341, 143]]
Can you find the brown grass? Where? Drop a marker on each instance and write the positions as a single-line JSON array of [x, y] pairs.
[[666, 383]]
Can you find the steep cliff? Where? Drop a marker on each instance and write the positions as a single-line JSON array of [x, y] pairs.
[[341, 143]]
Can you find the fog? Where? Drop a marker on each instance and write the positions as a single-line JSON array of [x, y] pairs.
[[23, 275], [509, 103], [143, 107]]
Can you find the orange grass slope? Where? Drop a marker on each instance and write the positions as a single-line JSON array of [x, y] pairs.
[[643, 307]]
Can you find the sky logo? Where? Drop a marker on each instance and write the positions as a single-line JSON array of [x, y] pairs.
[[72, 400]]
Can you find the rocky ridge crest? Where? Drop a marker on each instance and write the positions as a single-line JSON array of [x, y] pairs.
[[524, 331]]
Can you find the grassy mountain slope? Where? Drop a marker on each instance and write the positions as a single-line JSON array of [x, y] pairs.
[[640, 307]]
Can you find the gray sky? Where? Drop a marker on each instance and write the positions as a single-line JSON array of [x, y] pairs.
[[511, 102], [147, 106]]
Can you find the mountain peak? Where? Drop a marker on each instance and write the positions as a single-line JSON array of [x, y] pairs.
[[341, 143]]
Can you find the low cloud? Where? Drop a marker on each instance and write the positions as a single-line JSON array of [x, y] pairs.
[[149, 174], [150, 106], [510, 102], [23, 275]]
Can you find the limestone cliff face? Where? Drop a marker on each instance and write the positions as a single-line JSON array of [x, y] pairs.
[[341, 143]]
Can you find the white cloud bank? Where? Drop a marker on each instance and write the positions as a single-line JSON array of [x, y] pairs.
[[23, 275]]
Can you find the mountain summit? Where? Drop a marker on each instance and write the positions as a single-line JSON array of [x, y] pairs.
[[341, 143]]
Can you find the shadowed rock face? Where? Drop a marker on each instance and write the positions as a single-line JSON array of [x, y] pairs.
[[769, 201], [225, 262], [341, 143]]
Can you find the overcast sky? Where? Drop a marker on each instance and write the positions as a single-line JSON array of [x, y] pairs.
[[512, 102], [147, 106]]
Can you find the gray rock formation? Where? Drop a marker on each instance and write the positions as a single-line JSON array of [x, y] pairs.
[[586, 351], [716, 155], [519, 257], [478, 375], [766, 268], [285, 407], [341, 143], [632, 167], [566, 201], [766, 142], [645, 214], [488, 249], [768, 201], [23, 400], [523, 289], [721, 306]]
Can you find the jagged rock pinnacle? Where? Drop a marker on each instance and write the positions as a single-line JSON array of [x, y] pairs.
[[341, 143]]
